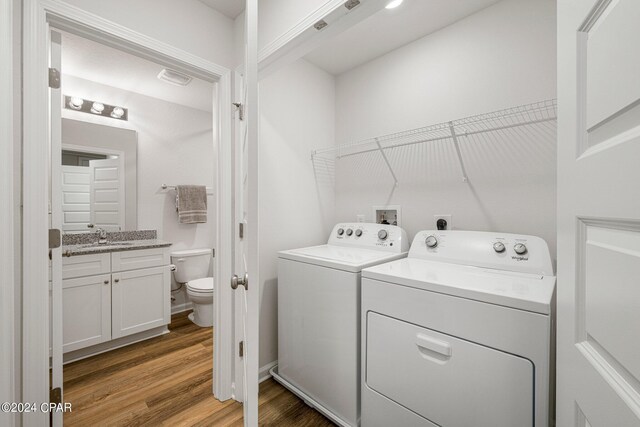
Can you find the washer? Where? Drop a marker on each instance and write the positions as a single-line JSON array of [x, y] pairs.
[[459, 333], [319, 315]]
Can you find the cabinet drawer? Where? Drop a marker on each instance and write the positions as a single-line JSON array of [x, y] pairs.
[[136, 259], [86, 265], [433, 374]]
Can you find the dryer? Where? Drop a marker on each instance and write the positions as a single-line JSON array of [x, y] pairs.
[[319, 315], [459, 333]]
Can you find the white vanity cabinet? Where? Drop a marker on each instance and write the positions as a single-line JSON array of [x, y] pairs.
[[111, 295]]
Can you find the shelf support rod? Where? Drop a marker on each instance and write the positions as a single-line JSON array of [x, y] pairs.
[[384, 156], [457, 145]]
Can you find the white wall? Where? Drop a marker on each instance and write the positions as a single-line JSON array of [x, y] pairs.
[[297, 107], [175, 146], [186, 24], [501, 57]]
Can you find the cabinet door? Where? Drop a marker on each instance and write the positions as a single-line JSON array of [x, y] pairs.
[[86, 311], [140, 300]]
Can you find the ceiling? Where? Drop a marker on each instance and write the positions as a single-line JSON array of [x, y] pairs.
[[230, 8], [101, 64], [390, 29]]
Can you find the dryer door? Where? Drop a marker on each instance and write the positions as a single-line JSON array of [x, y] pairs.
[[449, 381]]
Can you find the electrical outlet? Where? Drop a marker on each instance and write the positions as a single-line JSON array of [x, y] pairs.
[[445, 217], [360, 217]]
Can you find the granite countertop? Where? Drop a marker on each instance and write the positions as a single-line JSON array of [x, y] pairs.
[[127, 245]]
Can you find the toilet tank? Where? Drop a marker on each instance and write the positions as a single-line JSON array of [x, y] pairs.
[[191, 264]]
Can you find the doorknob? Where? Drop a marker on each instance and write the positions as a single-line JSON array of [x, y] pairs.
[[235, 281]]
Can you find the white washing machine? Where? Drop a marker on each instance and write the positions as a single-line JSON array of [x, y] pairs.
[[459, 333], [319, 315]]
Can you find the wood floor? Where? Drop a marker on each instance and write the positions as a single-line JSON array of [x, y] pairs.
[[167, 381]]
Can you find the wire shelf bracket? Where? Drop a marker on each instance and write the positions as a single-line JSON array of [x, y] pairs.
[[454, 136]]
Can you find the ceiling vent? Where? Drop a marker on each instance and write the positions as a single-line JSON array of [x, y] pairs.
[[174, 77]]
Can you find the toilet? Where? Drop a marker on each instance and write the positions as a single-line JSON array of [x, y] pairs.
[[192, 270]]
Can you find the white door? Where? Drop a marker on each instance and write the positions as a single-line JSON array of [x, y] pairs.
[[75, 198], [107, 193], [598, 364], [246, 199], [55, 222]]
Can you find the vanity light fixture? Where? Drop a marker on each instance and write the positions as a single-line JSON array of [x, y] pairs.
[[95, 107], [393, 4]]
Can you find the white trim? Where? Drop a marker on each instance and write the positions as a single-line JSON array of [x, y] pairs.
[[304, 38], [37, 14], [7, 283], [265, 373]]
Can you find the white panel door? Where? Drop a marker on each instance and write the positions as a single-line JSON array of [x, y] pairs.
[[598, 360], [75, 198], [107, 193]]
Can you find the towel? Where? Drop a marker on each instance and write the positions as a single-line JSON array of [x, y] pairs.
[[191, 204]]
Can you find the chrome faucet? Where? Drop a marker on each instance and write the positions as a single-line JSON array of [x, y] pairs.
[[102, 236]]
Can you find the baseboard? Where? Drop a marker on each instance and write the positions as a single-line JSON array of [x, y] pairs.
[[179, 308], [264, 374]]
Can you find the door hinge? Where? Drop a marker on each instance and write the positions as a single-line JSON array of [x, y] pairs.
[[241, 348], [54, 78], [240, 109], [241, 230], [55, 395], [55, 238]]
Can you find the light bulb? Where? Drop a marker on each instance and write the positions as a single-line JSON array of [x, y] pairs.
[[97, 108], [117, 112], [76, 102]]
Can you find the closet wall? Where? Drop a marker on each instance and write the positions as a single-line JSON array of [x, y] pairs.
[[297, 111], [501, 57]]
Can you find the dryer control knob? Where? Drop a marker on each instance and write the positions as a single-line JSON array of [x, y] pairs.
[[340, 231], [520, 248], [431, 241], [382, 234], [498, 247], [358, 232], [349, 232]]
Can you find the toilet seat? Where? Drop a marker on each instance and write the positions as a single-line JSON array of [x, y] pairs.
[[202, 286]]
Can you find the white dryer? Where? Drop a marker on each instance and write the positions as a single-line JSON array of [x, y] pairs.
[[459, 333], [319, 315]]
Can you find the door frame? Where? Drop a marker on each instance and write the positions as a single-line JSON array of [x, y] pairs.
[[38, 15], [7, 243]]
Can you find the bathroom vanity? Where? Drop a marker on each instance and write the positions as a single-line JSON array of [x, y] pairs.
[[114, 294]]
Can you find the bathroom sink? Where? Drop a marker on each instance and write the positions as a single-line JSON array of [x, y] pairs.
[[104, 245]]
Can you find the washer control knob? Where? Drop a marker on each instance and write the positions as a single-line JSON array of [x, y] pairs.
[[340, 231], [349, 232], [382, 234], [432, 241], [520, 248], [358, 233], [499, 247]]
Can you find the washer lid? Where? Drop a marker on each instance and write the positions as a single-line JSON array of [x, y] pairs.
[[201, 285], [524, 291], [340, 257]]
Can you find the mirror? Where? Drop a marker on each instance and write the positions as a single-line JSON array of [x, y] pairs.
[[99, 177]]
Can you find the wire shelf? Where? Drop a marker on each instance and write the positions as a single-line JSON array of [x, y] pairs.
[[454, 131]]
